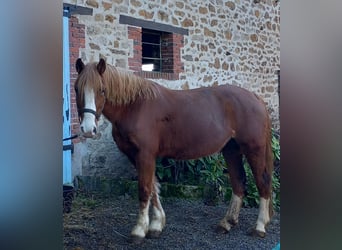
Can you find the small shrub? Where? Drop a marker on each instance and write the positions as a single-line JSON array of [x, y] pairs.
[[252, 197], [163, 171], [211, 171], [212, 175]]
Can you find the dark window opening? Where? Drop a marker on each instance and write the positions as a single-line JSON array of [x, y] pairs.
[[151, 50], [156, 48]]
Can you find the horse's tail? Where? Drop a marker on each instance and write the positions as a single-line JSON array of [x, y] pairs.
[[269, 160]]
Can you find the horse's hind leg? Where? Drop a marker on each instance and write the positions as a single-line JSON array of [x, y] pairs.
[[260, 159], [158, 216], [232, 154]]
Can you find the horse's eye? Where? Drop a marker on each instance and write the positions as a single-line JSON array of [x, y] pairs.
[[102, 91]]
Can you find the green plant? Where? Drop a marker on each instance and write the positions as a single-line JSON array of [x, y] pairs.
[[275, 146], [212, 175], [252, 197], [163, 171], [276, 191], [213, 170], [178, 171], [192, 169], [210, 171]]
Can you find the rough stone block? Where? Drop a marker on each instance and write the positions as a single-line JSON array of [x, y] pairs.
[[92, 3], [187, 23]]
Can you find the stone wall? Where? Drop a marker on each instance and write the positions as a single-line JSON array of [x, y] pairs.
[[235, 42]]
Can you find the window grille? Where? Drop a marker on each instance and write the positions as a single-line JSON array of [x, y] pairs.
[[151, 50]]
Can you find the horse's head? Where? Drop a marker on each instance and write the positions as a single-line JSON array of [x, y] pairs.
[[90, 95]]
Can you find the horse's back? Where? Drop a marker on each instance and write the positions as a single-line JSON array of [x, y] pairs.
[[199, 122]]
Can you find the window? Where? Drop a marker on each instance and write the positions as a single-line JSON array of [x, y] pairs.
[[151, 50], [156, 48]]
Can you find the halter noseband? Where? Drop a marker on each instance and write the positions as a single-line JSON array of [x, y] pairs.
[[85, 110]]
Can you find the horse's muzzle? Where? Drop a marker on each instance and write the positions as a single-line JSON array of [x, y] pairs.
[[90, 135], [89, 130]]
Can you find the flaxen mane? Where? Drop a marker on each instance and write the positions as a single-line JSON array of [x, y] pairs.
[[121, 87]]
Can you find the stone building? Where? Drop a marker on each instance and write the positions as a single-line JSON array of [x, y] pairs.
[[190, 43]]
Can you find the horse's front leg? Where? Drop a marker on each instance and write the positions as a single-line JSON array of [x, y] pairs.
[[145, 165]]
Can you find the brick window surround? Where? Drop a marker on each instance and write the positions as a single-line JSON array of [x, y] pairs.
[[171, 45], [172, 40]]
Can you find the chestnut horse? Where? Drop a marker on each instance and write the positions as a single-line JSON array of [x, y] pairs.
[[149, 120]]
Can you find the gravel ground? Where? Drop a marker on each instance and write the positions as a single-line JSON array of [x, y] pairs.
[[106, 224]]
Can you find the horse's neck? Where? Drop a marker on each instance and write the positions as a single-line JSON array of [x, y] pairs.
[[110, 111], [114, 112]]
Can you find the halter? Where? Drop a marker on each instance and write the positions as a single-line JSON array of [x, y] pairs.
[[85, 110]]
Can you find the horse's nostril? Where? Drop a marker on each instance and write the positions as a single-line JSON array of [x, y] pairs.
[[94, 130], [82, 129]]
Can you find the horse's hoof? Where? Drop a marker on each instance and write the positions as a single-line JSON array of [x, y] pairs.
[[233, 222], [256, 233], [223, 227], [136, 239], [152, 234], [221, 230]]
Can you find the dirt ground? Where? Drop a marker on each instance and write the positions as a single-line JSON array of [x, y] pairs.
[[98, 223]]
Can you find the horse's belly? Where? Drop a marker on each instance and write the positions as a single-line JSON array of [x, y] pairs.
[[195, 148]]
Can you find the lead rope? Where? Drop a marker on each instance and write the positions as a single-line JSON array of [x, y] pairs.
[[70, 138]]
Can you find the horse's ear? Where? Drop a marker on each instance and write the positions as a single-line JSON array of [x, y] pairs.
[[101, 66], [79, 65]]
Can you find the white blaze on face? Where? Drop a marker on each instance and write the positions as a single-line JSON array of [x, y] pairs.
[[88, 123], [264, 216]]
